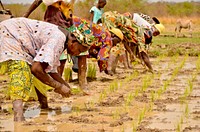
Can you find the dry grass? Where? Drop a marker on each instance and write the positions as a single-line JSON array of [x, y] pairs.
[[172, 19]]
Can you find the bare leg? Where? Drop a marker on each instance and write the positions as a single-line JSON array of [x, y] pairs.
[[146, 60], [42, 99], [18, 110], [114, 65], [111, 62], [82, 68], [130, 48], [61, 67], [128, 61]]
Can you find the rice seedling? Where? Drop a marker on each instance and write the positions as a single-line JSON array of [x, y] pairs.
[[174, 74], [129, 98], [198, 64], [76, 90], [128, 79], [181, 120], [151, 104], [161, 57], [116, 114], [89, 105], [146, 82], [135, 73], [183, 62], [186, 111], [174, 58], [131, 77], [102, 96], [113, 86], [152, 96], [91, 73], [194, 77], [135, 126], [67, 74], [141, 116], [136, 92], [166, 84], [159, 92], [178, 127], [190, 85], [186, 92]]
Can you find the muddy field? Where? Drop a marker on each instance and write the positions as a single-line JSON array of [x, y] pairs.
[[131, 100]]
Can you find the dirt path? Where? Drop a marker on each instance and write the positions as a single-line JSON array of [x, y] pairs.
[[168, 100]]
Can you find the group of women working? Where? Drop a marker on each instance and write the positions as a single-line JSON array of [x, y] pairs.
[[34, 51]]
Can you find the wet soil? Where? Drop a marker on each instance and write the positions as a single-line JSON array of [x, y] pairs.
[[131, 100]]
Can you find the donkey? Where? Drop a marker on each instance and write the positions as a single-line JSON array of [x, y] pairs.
[[183, 24]]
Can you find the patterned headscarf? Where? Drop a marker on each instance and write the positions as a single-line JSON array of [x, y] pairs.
[[83, 34], [67, 8]]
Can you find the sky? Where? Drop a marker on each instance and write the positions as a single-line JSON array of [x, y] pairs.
[[30, 1]]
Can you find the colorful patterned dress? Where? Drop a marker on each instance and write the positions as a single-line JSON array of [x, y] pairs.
[[132, 32], [102, 45]]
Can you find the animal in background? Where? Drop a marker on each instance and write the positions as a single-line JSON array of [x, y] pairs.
[[186, 24]]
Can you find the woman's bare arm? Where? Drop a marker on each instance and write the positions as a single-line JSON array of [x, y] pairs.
[[91, 16], [37, 70], [33, 6], [58, 78]]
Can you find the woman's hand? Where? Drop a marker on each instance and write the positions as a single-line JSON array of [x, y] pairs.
[[54, 80], [63, 90]]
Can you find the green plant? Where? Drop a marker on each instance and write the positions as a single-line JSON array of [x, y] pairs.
[[152, 96], [113, 86], [190, 85], [178, 127], [136, 92], [135, 126], [129, 98], [159, 92], [146, 82], [91, 73], [186, 111], [103, 95], [116, 114], [89, 105], [198, 63], [141, 116], [67, 74], [166, 84], [76, 90]]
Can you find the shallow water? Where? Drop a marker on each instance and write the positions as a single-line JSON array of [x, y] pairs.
[[107, 110]]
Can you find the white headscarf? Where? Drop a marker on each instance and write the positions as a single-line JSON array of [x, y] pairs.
[[50, 2], [141, 21]]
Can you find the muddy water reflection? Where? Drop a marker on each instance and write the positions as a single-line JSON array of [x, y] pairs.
[[34, 116], [36, 112]]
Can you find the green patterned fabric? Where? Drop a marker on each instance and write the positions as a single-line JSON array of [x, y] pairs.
[[83, 34], [131, 32]]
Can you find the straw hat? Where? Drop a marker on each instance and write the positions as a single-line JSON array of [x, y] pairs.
[[160, 27], [117, 32]]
